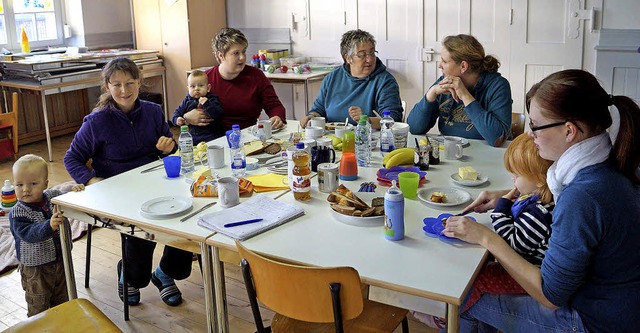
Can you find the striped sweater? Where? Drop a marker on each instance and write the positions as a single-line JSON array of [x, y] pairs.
[[528, 233]]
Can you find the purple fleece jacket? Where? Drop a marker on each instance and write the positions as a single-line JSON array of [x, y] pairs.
[[116, 141]]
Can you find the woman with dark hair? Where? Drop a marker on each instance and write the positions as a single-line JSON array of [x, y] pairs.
[[589, 279], [122, 133], [360, 85], [471, 99]]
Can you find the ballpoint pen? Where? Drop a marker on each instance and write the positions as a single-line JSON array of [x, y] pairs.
[[235, 224]]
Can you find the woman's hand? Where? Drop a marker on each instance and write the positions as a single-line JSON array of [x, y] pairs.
[[355, 112], [305, 120], [165, 144], [276, 122], [468, 230], [454, 86], [197, 117], [486, 200]]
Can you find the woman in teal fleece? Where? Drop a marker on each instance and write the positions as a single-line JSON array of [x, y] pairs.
[[360, 85], [589, 280], [472, 100]]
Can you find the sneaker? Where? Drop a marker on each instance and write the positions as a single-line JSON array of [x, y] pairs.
[[429, 320]]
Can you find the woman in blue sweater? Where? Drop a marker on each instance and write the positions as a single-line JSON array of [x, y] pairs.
[[360, 85], [589, 279], [471, 99], [123, 133]]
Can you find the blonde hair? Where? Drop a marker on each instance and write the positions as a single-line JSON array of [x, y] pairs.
[[227, 37], [31, 160], [522, 158], [468, 48], [197, 73]]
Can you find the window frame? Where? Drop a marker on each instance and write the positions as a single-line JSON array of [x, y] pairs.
[[13, 41]]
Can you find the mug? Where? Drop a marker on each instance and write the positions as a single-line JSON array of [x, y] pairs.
[[321, 155], [324, 142], [228, 192], [327, 177], [266, 124], [318, 122], [452, 148], [215, 156], [400, 134], [313, 132], [341, 129]]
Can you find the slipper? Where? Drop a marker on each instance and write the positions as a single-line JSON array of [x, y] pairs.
[[167, 291], [132, 292]]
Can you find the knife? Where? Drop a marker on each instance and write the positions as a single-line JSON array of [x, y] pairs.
[[152, 168], [197, 211]]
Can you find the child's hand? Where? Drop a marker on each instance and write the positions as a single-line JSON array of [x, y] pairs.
[[56, 219], [78, 188], [165, 144], [512, 195]]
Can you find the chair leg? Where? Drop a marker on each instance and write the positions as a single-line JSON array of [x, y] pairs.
[[251, 292], [405, 325], [125, 288], [87, 267], [337, 308]]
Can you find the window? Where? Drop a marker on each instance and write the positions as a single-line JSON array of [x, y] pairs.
[[42, 21]]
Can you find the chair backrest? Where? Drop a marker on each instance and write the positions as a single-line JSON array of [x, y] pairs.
[[9, 117], [301, 292], [517, 124], [404, 111]]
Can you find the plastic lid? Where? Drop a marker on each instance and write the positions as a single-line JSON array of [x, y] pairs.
[[260, 126], [300, 145], [235, 127], [184, 128], [363, 119]]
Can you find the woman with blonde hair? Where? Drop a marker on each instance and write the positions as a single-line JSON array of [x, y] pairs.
[[471, 99]]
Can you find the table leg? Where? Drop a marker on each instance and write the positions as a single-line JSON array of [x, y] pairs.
[[306, 96], [209, 293], [43, 98], [165, 107], [453, 318], [220, 292], [65, 240]]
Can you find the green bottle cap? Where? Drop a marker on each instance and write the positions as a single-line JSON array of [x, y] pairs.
[[363, 119], [184, 128]]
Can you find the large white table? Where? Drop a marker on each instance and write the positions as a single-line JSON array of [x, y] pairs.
[[417, 265]]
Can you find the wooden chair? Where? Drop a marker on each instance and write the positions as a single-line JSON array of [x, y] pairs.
[[313, 299], [77, 315], [517, 124], [9, 123]]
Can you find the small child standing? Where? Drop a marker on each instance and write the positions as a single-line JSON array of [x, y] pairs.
[[35, 228], [522, 218], [199, 98]]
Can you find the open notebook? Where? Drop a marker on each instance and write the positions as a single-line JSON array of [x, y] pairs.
[[273, 213]]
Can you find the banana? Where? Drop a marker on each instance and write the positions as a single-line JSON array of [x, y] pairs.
[[199, 151], [404, 157], [394, 153]]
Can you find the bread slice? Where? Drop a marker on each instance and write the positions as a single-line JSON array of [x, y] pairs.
[[344, 200], [346, 210]]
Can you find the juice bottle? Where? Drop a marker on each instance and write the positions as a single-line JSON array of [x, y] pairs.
[[301, 183]]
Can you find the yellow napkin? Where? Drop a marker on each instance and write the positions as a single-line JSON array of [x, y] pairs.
[[269, 182]]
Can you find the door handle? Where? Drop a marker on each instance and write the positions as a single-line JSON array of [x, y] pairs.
[[427, 54]]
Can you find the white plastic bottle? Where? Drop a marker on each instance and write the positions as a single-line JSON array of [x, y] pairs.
[[185, 143], [238, 155], [387, 140], [260, 133], [363, 142]]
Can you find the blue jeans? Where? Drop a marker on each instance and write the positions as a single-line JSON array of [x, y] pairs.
[[518, 313]]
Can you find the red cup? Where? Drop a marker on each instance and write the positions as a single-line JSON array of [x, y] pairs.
[[348, 166]]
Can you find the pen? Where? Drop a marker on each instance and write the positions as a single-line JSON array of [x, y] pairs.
[[235, 224]]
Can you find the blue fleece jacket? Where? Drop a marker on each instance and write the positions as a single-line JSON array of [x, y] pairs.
[[212, 107], [340, 90], [593, 260], [116, 141], [488, 117]]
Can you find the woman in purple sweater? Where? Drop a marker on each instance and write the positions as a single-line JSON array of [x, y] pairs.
[[589, 279], [123, 133]]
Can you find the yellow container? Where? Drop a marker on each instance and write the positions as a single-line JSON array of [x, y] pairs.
[[24, 41]]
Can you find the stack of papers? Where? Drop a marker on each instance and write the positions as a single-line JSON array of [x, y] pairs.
[[273, 213]]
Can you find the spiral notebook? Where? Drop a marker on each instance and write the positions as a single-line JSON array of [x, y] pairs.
[[273, 213]]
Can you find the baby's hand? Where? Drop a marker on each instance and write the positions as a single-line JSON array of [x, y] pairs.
[[78, 188], [56, 219]]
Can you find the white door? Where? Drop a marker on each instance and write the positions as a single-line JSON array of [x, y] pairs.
[[546, 36]]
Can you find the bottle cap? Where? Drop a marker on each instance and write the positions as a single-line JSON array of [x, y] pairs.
[[184, 128], [386, 113], [235, 127], [363, 119], [300, 145], [260, 126]]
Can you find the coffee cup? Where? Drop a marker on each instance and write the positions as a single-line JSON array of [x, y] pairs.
[[266, 125], [228, 192], [341, 129], [452, 148], [400, 134], [327, 177], [321, 155], [215, 156], [324, 142], [318, 122], [313, 132]]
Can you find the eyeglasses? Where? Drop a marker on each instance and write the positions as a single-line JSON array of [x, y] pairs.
[[363, 55], [537, 128]]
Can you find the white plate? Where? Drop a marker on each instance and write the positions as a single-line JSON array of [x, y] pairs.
[[164, 207], [481, 180], [440, 138], [369, 221], [454, 196]]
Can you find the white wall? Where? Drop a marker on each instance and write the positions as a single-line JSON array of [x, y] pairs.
[[99, 24], [621, 14]]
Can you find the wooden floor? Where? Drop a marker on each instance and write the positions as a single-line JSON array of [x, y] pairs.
[[152, 315]]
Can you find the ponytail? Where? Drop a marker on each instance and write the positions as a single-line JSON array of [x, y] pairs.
[[626, 149]]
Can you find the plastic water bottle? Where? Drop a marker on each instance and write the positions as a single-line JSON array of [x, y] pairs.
[[8, 195], [260, 133], [363, 142], [185, 143], [393, 213], [238, 156], [387, 141]]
